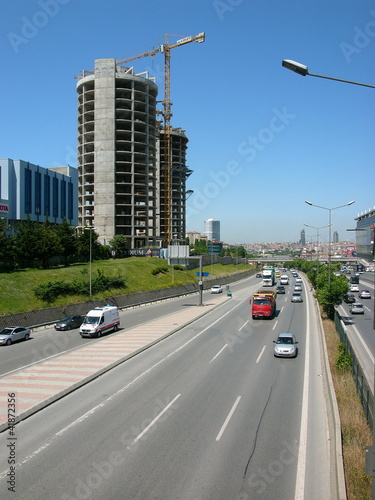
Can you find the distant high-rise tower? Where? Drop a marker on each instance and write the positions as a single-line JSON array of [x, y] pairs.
[[335, 237], [212, 229], [303, 238]]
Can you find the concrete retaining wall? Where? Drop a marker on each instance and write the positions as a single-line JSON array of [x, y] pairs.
[[51, 314]]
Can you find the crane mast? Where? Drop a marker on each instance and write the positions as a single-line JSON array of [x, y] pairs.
[[167, 114]]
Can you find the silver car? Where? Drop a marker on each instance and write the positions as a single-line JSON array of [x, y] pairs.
[[217, 289], [356, 308], [285, 346], [296, 297], [13, 333], [364, 294]]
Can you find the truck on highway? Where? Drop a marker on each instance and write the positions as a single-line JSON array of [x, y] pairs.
[[263, 304], [268, 275], [99, 321]]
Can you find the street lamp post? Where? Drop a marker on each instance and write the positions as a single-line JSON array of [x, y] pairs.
[[317, 236], [329, 238], [303, 70]]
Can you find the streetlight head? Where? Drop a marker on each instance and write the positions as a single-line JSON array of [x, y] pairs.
[[308, 202], [351, 202], [299, 68]]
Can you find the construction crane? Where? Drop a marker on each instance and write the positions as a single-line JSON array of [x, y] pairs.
[[167, 114]]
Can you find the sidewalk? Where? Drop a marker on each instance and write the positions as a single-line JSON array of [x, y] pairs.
[[39, 385]]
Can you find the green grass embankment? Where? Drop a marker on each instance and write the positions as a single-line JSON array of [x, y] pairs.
[[17, 288]]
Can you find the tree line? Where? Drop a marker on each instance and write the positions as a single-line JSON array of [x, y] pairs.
[[330, 290], [44, 244]]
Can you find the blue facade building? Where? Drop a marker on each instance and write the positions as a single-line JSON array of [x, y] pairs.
[[31, 191]]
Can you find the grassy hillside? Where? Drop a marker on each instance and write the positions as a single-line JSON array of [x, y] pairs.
[[17, 288]]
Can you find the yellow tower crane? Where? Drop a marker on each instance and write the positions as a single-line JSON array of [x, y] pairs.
[[167, 114]]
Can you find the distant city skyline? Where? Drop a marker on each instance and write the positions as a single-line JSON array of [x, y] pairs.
[[262, 139]]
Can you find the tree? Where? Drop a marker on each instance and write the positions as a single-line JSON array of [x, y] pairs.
[[119, 244], [331, 294], [26, 243], [83, 244], [199, 247], [68, 241], [49, 245], [7, 254]]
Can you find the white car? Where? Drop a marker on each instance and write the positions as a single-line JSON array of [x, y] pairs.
[[217, 289], [356, 308], [298, 280], [354, 288]]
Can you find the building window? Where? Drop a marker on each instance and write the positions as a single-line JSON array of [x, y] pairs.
[[55, 197], [70, 201], [38, 193], [47, 195], [63, 199], [28, 186]]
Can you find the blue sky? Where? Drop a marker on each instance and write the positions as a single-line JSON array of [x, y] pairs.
[[262, 139]]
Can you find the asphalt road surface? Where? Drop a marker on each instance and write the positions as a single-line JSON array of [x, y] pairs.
[[207, 413]]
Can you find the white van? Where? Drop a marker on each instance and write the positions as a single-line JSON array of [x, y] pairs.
[[99, 321], [284, 279]]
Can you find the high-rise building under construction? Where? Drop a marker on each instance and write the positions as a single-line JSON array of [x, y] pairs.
[[121, 158]]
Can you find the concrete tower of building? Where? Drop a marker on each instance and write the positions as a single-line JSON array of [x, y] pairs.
[[117, 131], [212, 229], [179, 174], [335, 237], [303, 238]]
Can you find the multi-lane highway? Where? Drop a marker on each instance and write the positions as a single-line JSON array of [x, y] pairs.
[[208, 413], [360, 327]]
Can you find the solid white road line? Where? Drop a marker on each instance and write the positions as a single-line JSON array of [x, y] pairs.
[[153, 422], [221, 350], [227, 419], [302, 450], [260, 355]]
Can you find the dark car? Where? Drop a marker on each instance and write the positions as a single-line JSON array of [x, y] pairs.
[[280, 289], [258, 275], [69, 322], [349, 299]]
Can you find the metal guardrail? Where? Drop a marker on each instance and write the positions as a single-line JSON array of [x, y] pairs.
[[363, 387]]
